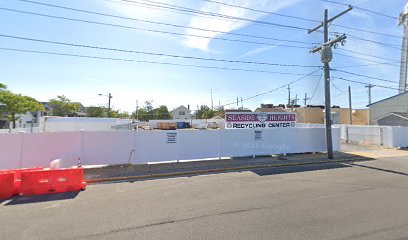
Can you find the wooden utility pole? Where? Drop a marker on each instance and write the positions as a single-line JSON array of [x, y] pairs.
[[326, 57], [305, 99], [369, 86], [350, 107]]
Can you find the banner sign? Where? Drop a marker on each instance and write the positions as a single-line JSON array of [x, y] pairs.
[[245, 120]]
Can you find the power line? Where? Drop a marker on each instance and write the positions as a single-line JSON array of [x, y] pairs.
[[368, 55], [153, 53], [366, 65], [150, 62], [149, 30], [262, 11], [365, 76], [364, 83], [205, 13], [314, 92], [283, 86], [375, 42], [301, 18], [365, 59], [160, 23], [363, 9]]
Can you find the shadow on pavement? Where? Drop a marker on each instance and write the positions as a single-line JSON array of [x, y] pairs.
[[297, 169], [43, 198], [378, 169]]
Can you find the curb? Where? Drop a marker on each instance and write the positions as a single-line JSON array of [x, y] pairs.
[[175, 174]]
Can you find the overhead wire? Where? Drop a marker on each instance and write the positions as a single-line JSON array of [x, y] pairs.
[[364, 83], [150, 30], [363, 9], [159, 23], [275, 89], [153, 53], [364, 76], [314, 92], [150, 62]]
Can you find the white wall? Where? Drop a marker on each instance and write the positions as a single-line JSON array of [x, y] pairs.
[[66, 124], [117, 147]]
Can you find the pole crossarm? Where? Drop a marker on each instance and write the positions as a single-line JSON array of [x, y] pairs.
[[330, 20], [331, 43]]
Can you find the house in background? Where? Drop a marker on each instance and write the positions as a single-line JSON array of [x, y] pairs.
[[389, 108], [181, 113], [394, 119]]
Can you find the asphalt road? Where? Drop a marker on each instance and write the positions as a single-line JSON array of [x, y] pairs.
[[367, 200]]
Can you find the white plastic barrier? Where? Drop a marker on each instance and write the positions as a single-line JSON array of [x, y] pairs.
[[110, 147], [396, 136]]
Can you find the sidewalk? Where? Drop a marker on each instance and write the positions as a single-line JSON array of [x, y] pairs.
[[171, 169]]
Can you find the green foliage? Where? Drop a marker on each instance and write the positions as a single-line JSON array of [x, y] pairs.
[[149, 105], [220, 112], [14, 104], [162, 113], [118, 114], [62, 106], [93, 111], [2, 86], [204, 112]]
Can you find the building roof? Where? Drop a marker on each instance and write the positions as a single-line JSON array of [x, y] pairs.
[[385, 99], [269, 110], [180, 107], [403, 115]]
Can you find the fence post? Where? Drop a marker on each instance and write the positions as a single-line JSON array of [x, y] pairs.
[[347, 133], [21, 147], [219, 143], [381, 136]]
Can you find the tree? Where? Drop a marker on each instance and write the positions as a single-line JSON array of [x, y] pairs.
[[204, 112], [2, 86], [220, 112], [62, 106], [15, 104], [93, 111], [149, 105], [162, 113], [118, 114]]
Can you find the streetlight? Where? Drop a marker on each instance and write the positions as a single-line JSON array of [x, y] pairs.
[[109, 100]]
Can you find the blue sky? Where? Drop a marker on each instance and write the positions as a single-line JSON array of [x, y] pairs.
[[81, 79]]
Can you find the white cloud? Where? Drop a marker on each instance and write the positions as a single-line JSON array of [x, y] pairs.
[[218, 24]]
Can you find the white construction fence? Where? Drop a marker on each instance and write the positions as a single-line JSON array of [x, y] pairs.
[[119, 147], [375, 135]]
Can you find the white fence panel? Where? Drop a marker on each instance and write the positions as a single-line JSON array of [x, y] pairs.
[[39, 149], [237, 142], [198, 144], [365, 135], [10, 150], [107, 147], [399, 136], [153, 146]]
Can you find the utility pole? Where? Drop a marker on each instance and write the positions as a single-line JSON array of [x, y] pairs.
[[296, 100], [369, 86], [350, 108], [137, 108], [305, 99], [326, 56], [289, 100], [212, 106]]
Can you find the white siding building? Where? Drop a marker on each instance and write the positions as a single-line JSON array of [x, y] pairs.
[[181, 113], [394, 104]]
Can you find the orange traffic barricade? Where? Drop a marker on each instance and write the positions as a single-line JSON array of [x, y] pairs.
[[52, 181], [17, 176], [6, 185]]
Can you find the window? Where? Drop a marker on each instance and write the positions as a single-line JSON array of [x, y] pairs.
[[182, 113]]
